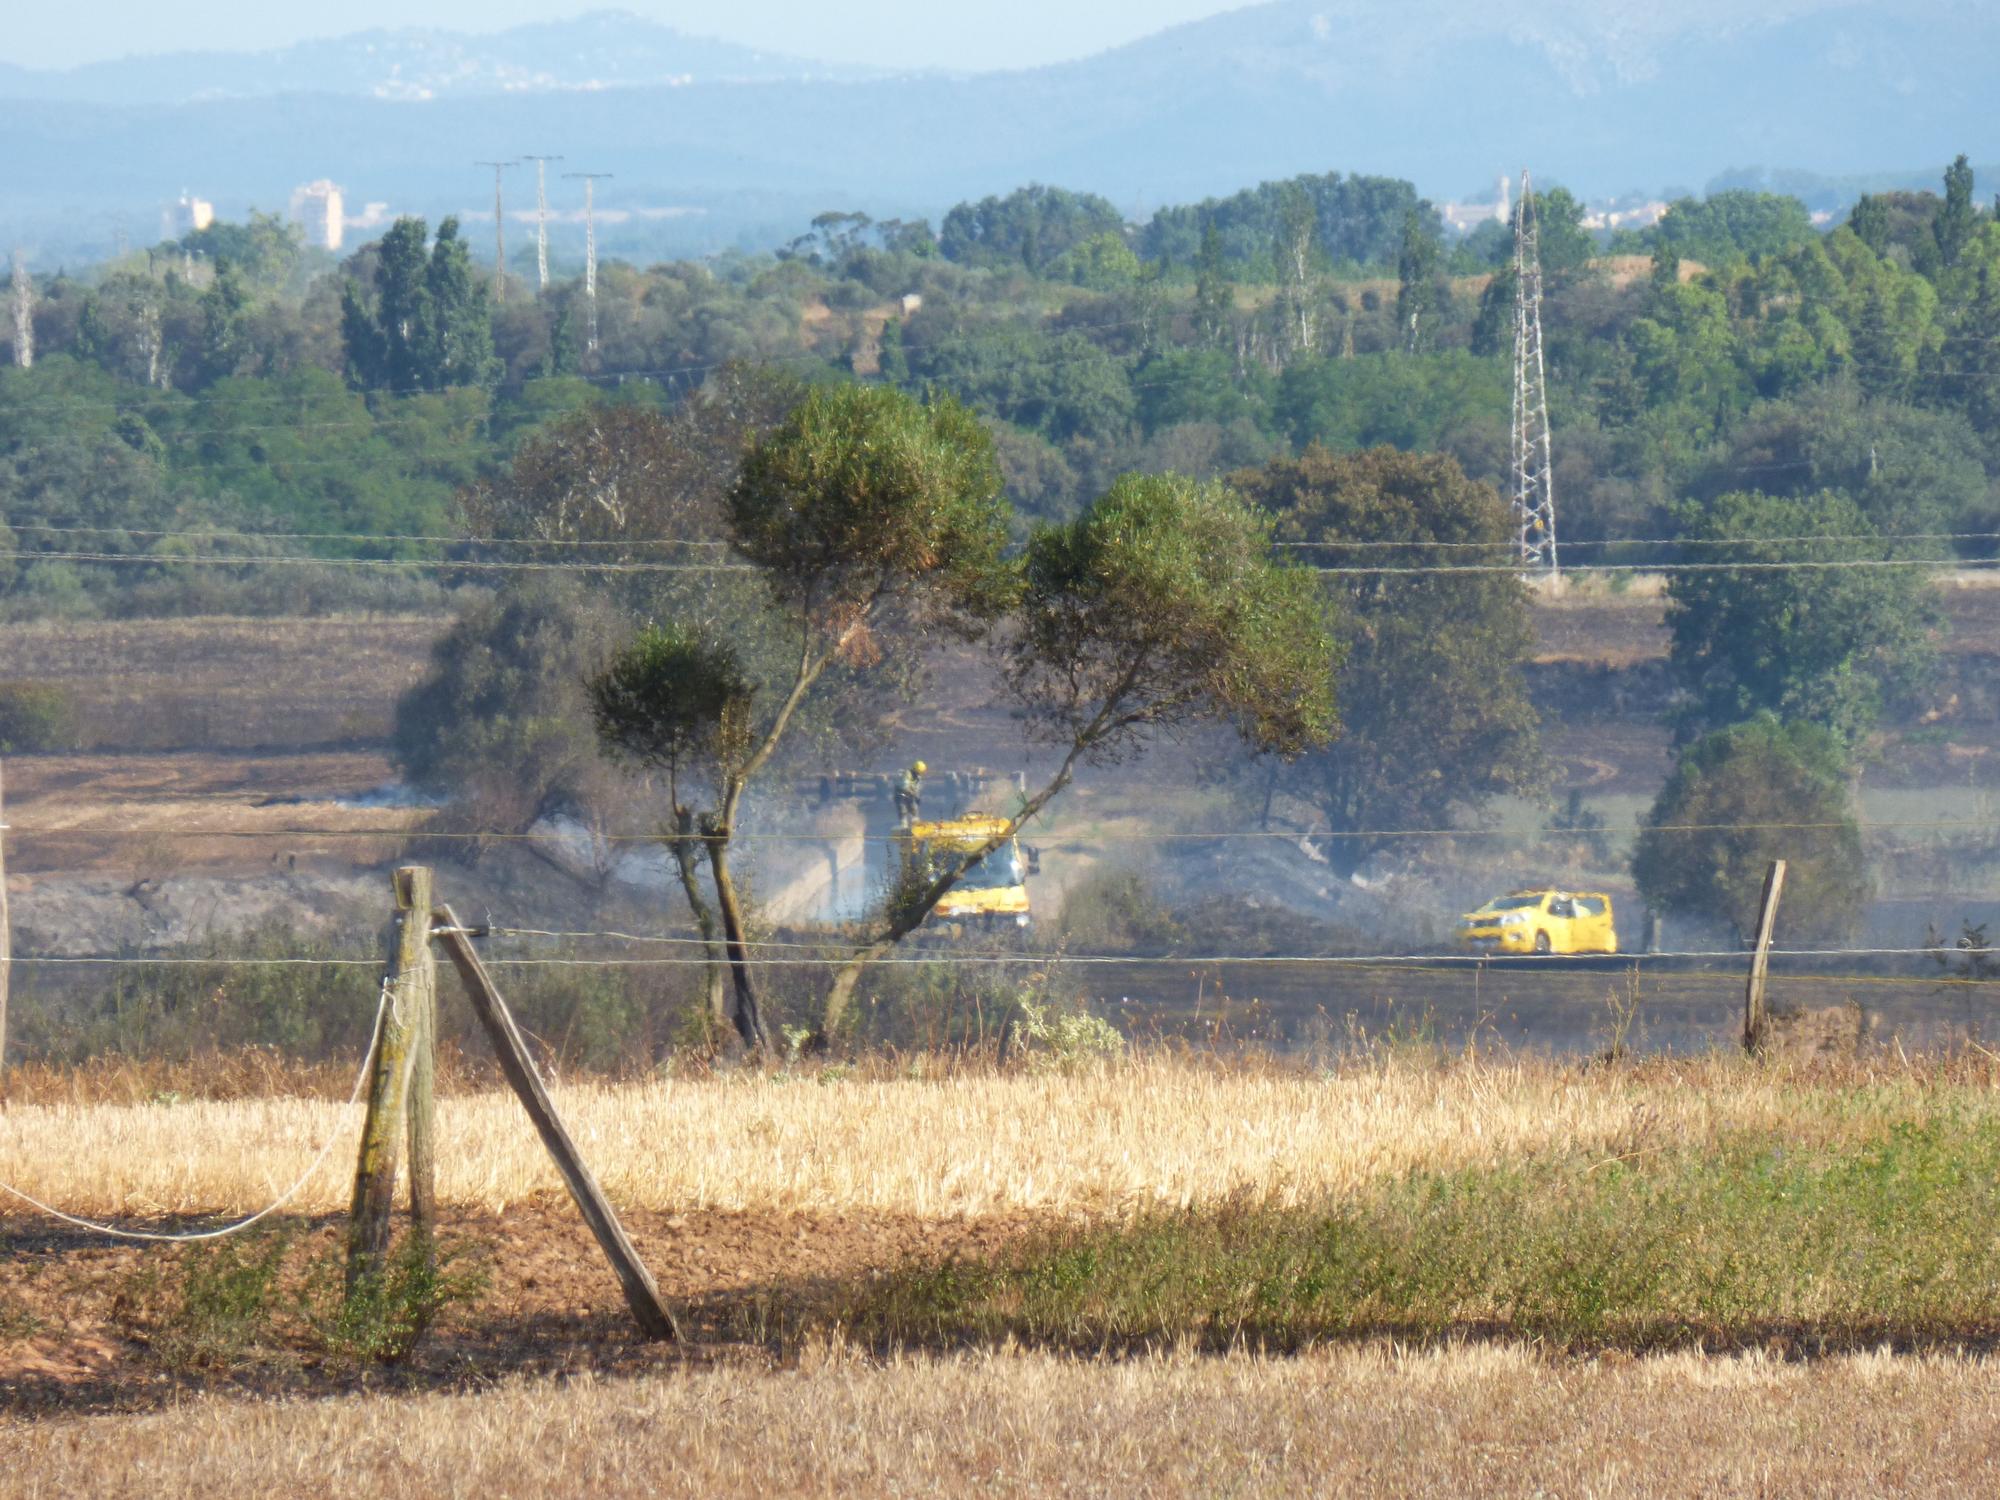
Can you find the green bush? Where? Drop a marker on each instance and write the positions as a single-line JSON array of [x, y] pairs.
[[36, 718], [1741, 798], [1116, 911]]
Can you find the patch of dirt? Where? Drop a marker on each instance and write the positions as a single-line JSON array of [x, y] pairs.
[[144, 816], [73, 1336]]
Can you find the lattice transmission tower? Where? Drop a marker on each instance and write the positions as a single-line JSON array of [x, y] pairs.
[[1532, 464], [589, 255], [499, 229], [541, 219]]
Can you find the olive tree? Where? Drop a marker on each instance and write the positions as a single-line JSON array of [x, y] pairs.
[[1161, 607]]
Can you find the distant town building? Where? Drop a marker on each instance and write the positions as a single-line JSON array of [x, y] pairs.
[[190, 215], [1630, 216], [1466, 217], [317, 210]]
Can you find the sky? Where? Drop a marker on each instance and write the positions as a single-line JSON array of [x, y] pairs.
[[959, 34]]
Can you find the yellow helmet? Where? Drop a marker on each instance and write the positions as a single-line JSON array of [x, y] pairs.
[[919, 767]]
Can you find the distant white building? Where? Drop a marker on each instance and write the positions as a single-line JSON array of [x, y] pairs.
[[317, 210], [1466, 217], [190, 215], [1630, 216]]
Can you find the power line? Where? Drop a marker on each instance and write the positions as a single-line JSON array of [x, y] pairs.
[[1056, 836], [1962, 567], [1358, 544], [1442, 962]]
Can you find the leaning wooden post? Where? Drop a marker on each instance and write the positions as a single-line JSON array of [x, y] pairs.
[[1754, 1017], [389, 1081], [642, 1295]]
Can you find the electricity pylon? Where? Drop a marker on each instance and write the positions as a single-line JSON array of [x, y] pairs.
[[589, 255], [499, 230], [24, 313], [1533, 467], [541, 219]]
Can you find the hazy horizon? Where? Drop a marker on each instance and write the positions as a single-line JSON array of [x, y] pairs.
[[888, 33]]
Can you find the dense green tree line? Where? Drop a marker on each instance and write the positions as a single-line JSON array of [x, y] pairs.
[[232, 381]]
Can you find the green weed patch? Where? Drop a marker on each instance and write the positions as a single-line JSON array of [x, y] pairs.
[[1895, 1237]]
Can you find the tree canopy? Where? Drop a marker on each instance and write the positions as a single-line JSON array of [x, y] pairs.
[[1434, 707], [1740, 798], [1794, 606]]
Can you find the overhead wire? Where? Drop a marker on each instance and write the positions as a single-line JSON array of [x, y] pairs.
[[1054, 836]]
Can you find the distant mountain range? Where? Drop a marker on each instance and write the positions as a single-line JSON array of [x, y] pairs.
[[720, 144], [606, 49]]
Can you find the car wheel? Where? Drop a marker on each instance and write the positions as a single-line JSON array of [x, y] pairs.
[[1541, 942]]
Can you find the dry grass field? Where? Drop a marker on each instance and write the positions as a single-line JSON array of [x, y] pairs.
[[1094, 1142], [1478, 1421], [770, 1205]]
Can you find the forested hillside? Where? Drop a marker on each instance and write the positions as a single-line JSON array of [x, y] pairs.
[[231, 395]]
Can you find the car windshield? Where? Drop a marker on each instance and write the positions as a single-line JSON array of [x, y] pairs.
[[1514, 903], [997, 871]]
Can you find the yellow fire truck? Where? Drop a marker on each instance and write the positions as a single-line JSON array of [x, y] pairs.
[[993, 892]]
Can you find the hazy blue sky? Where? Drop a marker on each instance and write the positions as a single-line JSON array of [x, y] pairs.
[[902, 33]]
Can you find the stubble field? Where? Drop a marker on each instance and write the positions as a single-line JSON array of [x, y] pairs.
[[1165, 1275]]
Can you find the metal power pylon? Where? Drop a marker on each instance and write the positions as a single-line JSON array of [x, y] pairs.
[[541, 219], [24, 313], [499, 230], [1532, 464], [589, 255]]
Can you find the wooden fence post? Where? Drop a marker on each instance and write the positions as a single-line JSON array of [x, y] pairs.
[[1754, 1017], [396, 1038], [642, 1295], [416, 966], [6, 941]]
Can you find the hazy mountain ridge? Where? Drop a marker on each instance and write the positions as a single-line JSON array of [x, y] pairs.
[[1606, 98], [604, 49]]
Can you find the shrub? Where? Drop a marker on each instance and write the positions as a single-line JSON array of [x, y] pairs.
[[1740, 798], [1117, 910], [36, 718]]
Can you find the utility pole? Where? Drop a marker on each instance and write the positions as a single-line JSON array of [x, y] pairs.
[[499, 230], [24, 313], [589, 255], [1533, 467], [541, 219]]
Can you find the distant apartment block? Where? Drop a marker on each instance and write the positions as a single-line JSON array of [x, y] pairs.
[[190, 215], [1466, 217], [317, 210]]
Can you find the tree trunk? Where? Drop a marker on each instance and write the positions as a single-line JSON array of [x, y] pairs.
[[749, 1016], [686, 850]]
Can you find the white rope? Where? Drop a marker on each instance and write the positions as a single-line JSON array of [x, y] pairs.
[[360, 1082]]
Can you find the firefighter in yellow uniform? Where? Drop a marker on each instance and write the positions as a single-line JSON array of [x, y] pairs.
[[910, 792]]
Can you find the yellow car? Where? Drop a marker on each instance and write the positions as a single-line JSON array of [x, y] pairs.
[[1541, 921], [993, 892]]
